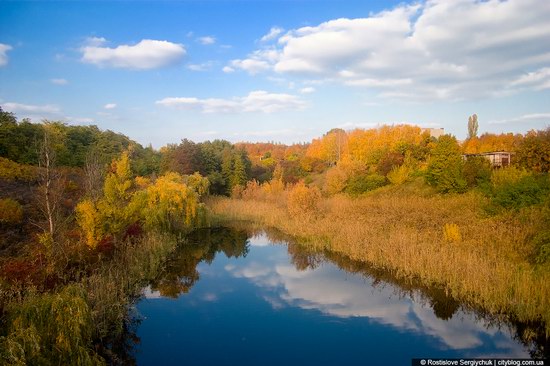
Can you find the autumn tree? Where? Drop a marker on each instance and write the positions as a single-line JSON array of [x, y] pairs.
[[472, 126], [534, 151], [445, 166], [303, 201]]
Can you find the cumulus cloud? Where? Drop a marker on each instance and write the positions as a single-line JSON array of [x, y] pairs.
[[436, 49], [256, 101], [147, 54], [59, 81], [273, 33], [110, 106], [4, 48], [29, 108], [208, 40]]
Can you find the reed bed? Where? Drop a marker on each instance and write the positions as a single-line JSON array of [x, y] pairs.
[[488, 266]]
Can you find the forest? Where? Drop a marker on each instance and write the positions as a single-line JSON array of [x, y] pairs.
[[87, 217]]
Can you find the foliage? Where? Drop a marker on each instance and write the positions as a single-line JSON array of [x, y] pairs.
[[10, 170], [336, 180], [330, 148], [473, 126], [51, 329], [11, 211], [451, 233], [445, 166], [534, 151], [303, 200], [370, 146], [477, 171], [170, 203], [90, 220], [518, 192], [488, 142], [399, 174], [361, 183]]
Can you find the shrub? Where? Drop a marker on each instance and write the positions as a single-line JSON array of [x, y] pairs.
[[11, 211], [399, 175], [451, 233], [509, 175], [10, 170], [303, 200], [51, 329], [520, 192], [477, 171], [362, 183]]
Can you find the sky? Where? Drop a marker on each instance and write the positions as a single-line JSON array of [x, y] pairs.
[[283, 71]]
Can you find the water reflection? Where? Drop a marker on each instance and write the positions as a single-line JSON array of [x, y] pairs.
[[353, 300], [180, 272]]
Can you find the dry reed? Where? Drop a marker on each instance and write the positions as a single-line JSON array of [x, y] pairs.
[[488, 267]]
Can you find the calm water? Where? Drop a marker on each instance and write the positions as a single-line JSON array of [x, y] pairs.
[[230, 299]]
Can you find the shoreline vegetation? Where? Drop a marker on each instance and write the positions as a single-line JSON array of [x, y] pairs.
[[438, 240]]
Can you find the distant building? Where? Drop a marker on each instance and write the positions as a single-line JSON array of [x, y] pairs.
[[434, 132], [498, 159]]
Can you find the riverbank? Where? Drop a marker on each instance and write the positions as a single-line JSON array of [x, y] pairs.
[[484, 261], [81, 322]]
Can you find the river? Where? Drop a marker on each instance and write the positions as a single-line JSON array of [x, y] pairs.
[[236, 297]]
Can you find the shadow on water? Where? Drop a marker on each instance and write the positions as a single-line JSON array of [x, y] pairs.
[[180, 275]]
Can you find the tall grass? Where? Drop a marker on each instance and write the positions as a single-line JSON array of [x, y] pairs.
[[488, 267], [76, 324]]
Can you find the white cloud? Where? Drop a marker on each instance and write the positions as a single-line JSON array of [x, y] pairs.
[[205, 66], [4, 48], [252, 66], [147, 54], [532, 117], [208, 40], [538, 80], [228, 69], [59, 81], [110, 106], [29, 108], [436, 49], [307, 90], [95, 41], [273, 33], [256, 101]]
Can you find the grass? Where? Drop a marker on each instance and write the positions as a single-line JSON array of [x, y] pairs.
[[487, 265], [78, 322]]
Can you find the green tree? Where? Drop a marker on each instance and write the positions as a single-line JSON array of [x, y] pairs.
[[445, 166], [472, 126], [477, 171]]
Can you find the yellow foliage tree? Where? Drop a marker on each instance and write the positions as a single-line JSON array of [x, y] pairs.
[[91, 221], [172, 204], [336, 180], [303, 200]]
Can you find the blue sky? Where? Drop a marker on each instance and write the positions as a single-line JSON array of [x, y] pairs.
[[287, 71]]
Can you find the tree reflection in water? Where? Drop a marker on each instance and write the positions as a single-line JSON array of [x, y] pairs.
[[180, 274]]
